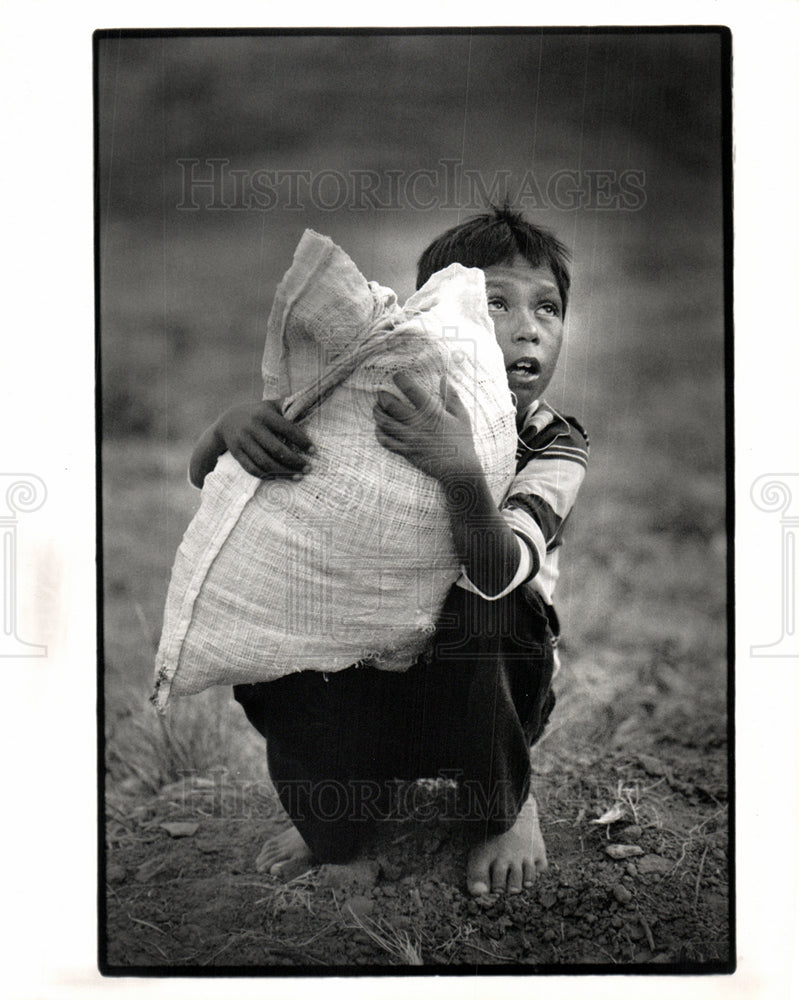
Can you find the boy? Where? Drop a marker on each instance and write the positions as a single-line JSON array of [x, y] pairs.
[[474, 705]]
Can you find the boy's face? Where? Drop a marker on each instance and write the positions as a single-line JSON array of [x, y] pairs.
[[526, 307]]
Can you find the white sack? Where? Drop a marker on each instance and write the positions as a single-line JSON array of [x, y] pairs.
[[354, 561]]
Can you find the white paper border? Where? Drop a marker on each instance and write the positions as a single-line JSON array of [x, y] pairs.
[[48, 418]]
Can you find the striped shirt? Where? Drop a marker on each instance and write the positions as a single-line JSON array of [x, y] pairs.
[[551, 460]]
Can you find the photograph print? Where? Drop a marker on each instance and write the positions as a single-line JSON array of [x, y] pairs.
[[414, 410]]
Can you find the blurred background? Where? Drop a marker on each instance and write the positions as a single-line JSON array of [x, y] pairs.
[[214, 153]]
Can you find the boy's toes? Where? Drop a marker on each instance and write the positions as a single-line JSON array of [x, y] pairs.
[[499, 879], [290, 868], [477, 877], [265, 860], [515, 879], [477, 885], [528, 873], [539, 848], [279, 867], [282, 853], [272, 853]]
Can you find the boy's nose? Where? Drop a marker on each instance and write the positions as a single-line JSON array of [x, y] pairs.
[[527, 329]]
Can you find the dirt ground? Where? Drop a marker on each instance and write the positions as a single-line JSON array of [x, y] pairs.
[[183, 892]]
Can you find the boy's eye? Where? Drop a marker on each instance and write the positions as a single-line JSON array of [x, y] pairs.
[[549, 308], [496, 304]]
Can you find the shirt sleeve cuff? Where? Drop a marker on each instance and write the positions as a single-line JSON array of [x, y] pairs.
[[522, 573]]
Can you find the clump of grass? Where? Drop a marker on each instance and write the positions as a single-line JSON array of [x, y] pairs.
[[146, 751], [458, 938], [394, 941], [631, 803], [296, 893]]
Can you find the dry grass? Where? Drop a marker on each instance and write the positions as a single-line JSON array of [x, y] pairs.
[[146, 752], [296, 893], [394, 941]]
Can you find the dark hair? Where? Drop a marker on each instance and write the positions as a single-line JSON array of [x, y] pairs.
[[496, 238]]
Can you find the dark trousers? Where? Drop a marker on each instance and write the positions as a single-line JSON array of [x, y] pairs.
[[470, 709]]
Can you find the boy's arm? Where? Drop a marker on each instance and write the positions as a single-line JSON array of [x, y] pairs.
[[259, 437], [492, 556], [437, 438], [546, 485]]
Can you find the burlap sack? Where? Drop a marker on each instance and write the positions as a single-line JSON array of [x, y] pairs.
[[353, 562]]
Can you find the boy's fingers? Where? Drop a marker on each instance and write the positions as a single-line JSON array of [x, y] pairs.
[[415, 392], [396, 437], [451, 400], [403, 430], [388, 403], [274, 421], [297, 436], [389, 424], [455, 407], [248, 465], [270, 464], [449, 397], [264, 446], [389, 442]]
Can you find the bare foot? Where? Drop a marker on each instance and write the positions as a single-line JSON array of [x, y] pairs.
[[285, 855], [509, 861]]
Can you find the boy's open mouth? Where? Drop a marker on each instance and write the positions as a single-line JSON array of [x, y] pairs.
[[525, 371]]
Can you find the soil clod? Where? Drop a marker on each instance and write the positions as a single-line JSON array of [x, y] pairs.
[[622, 893], [115, 874], [654, 864], [620, 851]]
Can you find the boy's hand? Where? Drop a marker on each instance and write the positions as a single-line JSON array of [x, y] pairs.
[[263, 441], [434, 436]]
